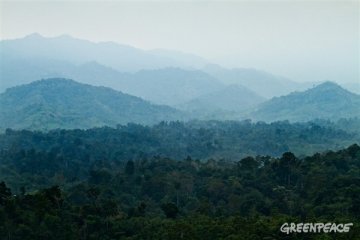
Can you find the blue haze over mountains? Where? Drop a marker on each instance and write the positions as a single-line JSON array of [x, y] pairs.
[[145, 81]]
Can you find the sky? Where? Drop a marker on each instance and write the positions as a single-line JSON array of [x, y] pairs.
[[302, 40]]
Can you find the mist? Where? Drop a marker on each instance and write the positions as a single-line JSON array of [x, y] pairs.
[[304, 41]]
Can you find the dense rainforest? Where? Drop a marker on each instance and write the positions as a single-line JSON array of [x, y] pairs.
[[199, 139], [196, 180]]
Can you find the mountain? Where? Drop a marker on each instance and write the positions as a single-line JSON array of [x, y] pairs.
[[19, 71], [162, 86], [327, 101], [169, 86], [64, 103], [181, 58], [232, 98], [160, 76], [263, 83], [78, 51]]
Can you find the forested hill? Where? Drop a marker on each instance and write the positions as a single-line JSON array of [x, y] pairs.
[[327, 101], [64, 103]]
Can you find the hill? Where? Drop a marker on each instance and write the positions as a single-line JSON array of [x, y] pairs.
[[232, 98], [102, 64], [64, 103], [263, 83], [78, 51], [326, 101], [169, 86]]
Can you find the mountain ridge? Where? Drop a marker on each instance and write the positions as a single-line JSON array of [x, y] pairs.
[[231, 98], [327, 100], [119, 56], [65, 103]]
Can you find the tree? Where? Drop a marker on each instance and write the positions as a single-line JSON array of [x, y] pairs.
[[170, 210], [54, 195], [286, 164], [130, 167], [5, 193]]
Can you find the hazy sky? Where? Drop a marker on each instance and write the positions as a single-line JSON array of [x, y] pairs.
[[303, 40]]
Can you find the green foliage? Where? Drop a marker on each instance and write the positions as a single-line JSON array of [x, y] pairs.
[[63, 103], [170, 210], [325, 101], [203, 140], [161, 198], [130, 167], [5, 193]]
